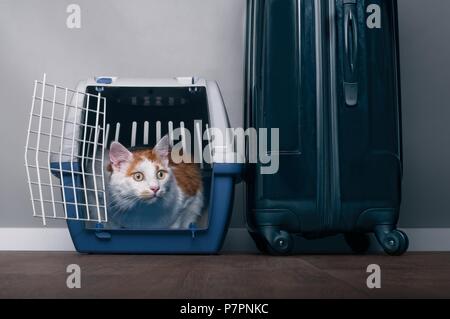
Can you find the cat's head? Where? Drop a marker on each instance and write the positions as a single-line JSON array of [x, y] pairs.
[[142, 175]]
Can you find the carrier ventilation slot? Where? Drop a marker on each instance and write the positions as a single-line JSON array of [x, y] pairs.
[[145, 137]]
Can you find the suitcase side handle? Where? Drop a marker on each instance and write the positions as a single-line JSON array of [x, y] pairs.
[[351, 53]]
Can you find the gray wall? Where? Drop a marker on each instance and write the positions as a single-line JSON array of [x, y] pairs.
[[163, 38], [425, 61]]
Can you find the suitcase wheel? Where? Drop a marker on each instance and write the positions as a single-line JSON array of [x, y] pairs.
[[281, 245], [274, 242], [394, 243], [358, 242]]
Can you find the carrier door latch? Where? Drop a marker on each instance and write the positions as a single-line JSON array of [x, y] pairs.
[[193, 229], [105, 80]]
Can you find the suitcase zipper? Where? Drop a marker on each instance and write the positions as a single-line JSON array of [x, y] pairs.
[[328, 198], [335, 186], [322, 171]]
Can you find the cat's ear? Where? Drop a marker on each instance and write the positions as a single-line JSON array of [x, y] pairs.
[[162, 148], [119, 154]]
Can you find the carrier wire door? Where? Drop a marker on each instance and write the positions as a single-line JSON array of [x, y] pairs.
[[65, 138]]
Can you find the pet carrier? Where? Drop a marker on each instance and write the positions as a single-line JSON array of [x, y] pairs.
[[66, 158]]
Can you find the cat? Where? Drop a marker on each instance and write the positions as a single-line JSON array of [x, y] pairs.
[[147, 188]]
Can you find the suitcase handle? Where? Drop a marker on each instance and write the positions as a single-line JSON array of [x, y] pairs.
[[351, 53]]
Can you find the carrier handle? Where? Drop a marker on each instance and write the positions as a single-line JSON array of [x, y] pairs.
[[351, 53]]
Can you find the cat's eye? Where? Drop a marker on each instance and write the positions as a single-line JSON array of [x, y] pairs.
[[161, 174], [138, 177]]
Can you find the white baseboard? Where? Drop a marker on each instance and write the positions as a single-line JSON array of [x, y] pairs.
[[238, 240], [35, 239]]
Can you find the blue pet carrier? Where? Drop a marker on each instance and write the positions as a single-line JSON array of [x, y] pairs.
[[70, 131]]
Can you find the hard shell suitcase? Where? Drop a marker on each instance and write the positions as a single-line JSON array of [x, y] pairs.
[[326, 73]]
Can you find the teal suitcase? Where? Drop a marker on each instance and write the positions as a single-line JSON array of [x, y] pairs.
[[326, 73]]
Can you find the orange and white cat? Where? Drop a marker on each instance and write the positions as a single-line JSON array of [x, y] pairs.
[[147, 183]]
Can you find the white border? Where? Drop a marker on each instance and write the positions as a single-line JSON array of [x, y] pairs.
[[238, 240]]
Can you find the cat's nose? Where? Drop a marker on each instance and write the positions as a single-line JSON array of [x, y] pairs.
[[154, 189]]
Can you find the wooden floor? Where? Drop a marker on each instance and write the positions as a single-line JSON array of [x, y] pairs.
[[43, 275]]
